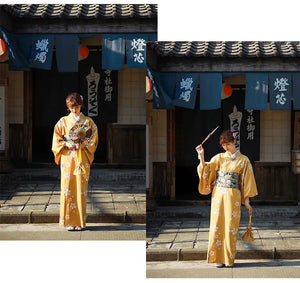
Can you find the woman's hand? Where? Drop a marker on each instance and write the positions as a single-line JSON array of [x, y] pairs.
[[200, 151], [70, 145], [248, 206]]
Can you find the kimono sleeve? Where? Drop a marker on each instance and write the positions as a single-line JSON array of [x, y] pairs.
[[58, 142], [207, 175], [92, 143], [248, 184]]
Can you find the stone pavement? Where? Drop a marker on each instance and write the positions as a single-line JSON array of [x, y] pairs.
[[254, 268], [33, 196], [182, 234]]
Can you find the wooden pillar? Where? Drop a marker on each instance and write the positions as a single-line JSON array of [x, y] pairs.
[[171, 152], [28, 113], [5, 164], [149, 149]]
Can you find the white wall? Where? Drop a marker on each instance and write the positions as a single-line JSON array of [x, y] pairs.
[[15, 94], [131, 92], [275, 136]]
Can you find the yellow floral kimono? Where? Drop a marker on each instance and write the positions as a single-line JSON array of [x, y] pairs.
[[74, 174], [231, 181]]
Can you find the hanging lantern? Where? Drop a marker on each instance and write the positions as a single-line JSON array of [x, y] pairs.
[[148, 84], [227, 90], [149, 92], [83, 52], [2, 47]]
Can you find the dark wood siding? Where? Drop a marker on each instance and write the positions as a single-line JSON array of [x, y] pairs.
[[126, 144], [275, 182], [162, 181]]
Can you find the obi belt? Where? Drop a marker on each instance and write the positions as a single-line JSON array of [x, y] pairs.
[[227, 180]]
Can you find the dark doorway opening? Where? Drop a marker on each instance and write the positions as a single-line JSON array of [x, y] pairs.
[[193, 125], [50, 89]]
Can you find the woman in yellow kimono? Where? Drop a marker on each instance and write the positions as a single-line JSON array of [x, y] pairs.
[[75, 156], [229, 176]]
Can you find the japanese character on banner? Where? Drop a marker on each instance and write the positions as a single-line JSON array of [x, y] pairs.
[[41, 47], [235, 125], [138, 47], [263, 86], [250, 125], [280, 85], [187, 88], [108, 89]]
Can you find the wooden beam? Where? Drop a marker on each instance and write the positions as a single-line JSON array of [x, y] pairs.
[[84, 25], [5, 20]]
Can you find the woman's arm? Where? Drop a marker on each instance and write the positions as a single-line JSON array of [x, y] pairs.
[[248, 206], [200, 151]]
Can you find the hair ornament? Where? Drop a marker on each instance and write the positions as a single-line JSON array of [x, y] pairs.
[[81, 97], [234, 135]]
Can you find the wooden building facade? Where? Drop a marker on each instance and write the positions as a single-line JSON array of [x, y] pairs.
[[175, 132], [35, 98]]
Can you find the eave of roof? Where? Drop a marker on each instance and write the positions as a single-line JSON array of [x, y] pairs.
[[86, 11], [79, 18], [227, 49]]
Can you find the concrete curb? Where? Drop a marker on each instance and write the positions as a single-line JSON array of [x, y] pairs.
[[43, 217], [197, 254], [259, 212]]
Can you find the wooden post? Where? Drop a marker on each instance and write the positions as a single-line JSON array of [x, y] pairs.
[[171, 151], [5, 165], [28, 113]]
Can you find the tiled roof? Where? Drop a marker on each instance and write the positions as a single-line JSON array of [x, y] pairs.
[[89, 11], [228, 49]]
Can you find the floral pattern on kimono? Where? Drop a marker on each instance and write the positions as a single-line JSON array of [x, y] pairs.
[[74, 183], [236, 183]]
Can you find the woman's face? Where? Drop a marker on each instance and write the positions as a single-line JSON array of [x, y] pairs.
[[229, 146], [75, 109]]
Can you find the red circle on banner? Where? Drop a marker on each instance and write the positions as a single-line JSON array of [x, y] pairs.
[[84, 51], [148, 84], [2, 47], [227, 90]]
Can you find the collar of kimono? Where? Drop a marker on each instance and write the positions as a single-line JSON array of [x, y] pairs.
[[77, 118], [233, 156]]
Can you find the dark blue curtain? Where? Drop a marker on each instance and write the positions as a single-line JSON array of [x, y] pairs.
[[152, 36], [67, 52], [19, 47], [165, 87], [256, 91], [210, 91], [113, 51], [296, 91]]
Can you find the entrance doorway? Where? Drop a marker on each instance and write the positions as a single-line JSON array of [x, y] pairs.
[[50, 89]]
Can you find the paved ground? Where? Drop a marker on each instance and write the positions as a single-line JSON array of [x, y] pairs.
[[51, 231], [33, 196], [181, 238], [242, 269]]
